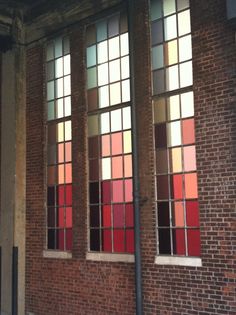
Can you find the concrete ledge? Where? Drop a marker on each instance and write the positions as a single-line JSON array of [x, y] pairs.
[[178, 261], [128, 258], [57, 254]]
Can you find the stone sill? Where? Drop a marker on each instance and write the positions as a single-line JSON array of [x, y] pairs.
[[178, 261], [57, 254], [110, 257]]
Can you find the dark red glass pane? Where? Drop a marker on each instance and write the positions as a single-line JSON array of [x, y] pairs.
[[94, 216], [130, 241], [92, 99], [51, 196], [128, 190], [69, 217], [106, 216], [119, 241], [188, 131], [69, 239], [94, 192], [106, 192], [193, 242], [51, 217], [94, 240], [192, 209], [61, 195], [164, 241], [129, 215], [60, 217], [61, 240], [68, 194], [163, 214], [118, 215], [177, 186], [162, 187], [107, 244], [93, 170], [160, 136], [51, 239], [93, 147], [178, 242]]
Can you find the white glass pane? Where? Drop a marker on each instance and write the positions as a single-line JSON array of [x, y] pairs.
[[106, 168], [184, 22], [59, 67], [67, 86], [172, 78], [170, 27], [185, 48], [125, 67], [173, 107], [174, 134], [168, 7], [50, 51], [186, 74], [50, 90], [126, 118], [59, 88], [59, 108], [103, 93], [187, 104], [114, 48], [67, 101], [182, 4], [114, 70], [68, 130], [105, 123], [103, 74], [116, 120], [58, 47], [127, 143], [60, 132], [124, 44], [67, 65], [91, 56], [102, 52], [115, 93], [125, 91]]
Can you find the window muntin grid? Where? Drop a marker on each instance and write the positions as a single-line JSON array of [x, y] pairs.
[[59, 145], [174, 133], [109, 137]]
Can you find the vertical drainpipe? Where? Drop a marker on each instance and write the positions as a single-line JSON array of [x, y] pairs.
[[138, 270]]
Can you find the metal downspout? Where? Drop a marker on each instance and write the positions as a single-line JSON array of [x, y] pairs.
[[138, 269]]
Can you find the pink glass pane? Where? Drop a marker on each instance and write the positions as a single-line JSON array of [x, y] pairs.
[[179, 242], [106, 150], [69, 194], [61, 239], [193, 242], [60, 152], [93, 147], [106, 216], [177, 181], [188, 131], [116, 143], [51, 175], [117, 191], [130, 241], [68, 173], [93, 170], [128, 190], [129, 215], [69, 217], [117, 167], [192, 213], [128, 165], [118, 216], [69, 239], [191, 186], [107, 245], [61, 195], [119, 239], [68, 151], [106, 192], [61, 177], [178, 214], [189, 158], [60, 217], [162, 187]]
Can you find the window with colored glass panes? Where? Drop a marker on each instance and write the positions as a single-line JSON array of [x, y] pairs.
[[111, 222], [59, 145], [174, 132]]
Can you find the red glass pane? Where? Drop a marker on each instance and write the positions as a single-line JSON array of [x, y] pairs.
[[188, 131], [60, 217], [106, 192], [193, 242], [60, 149], [93, 170], [93, 147], [105, 145], [68, 194], [128, 190], [117, 191], [130, 241], [107, 244], [191, 191], [117, 167], [128, 165], [69, 239], [192, 209], [179, 242], [68, 151], [178, 213], [116, 143], [162, 187], [106, 216], [129, 215], [61, 240], [69, 217], [61, 195], [177, 186], [68, 173], [119, 240], [118, 216]]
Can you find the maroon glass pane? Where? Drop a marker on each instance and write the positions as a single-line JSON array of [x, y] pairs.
[[163, 214], [116, 143], [68, 194], [106, 192], [178, 241], [192, 213], [92, 99], [61, 240], [51, 196], [117, 191], [107, 243], [164, 241], [118, 215], [69, 217], [160, 136], [129, 215], [161, 161], [94, 192], [193, 242], [52, 154], [93, 170], [61, 195], [128, 190], [51, 217], [106, 216], [94, 216], [157, 32], [94, 240], [60, 217], [119, 240], [52, 175], [162, 187], [129, 241], [52, 139], [68, 239], [188, 131], [93, 147], [177, 186], [51, 239]]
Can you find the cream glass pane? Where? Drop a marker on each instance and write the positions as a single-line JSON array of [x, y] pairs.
[[171, 52], [157, 57], [67, 86], [50, 90], [186, 74], [92, 125], [126, 118], [170, 27], [115, 93], [91, 78], [174, 134], [127, 142], [185, 48], [68, 130], [125, 91], [168, 7], [173, 107], [159, 109], [58, 47], [103, 93], [91, 56], [184, 24], [60, 132], [106, 168], [114, 70], [176, 160], [182, 4], [103, 74], [67, 108], [124, 44], [59, 108], [59, 88], [59, 67], [116, 120], [114, 48], [102, 52], [105, 123], [67, 65], [172, 78], [125, 67], [50, 51], [187, 104]]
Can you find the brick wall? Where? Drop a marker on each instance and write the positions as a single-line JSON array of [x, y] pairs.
[[77, 286]]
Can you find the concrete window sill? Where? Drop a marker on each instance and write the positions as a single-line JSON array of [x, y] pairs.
[[178, 261], [57, 254], [110, 257]]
